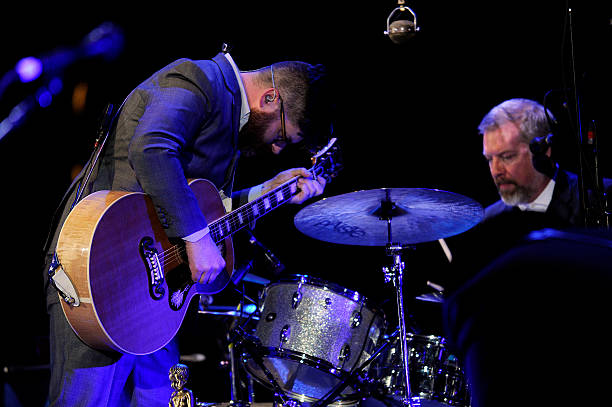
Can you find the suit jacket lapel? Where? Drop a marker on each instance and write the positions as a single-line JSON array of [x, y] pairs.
[[231, 83], [565, 204]]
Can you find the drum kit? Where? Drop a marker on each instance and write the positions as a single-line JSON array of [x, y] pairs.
[[314, 343]]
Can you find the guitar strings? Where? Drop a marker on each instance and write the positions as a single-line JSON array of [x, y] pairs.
[[233, 218], [175, 252]]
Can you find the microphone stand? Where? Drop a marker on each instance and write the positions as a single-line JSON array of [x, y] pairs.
[[599, 214], [594, 206], [22, 111]]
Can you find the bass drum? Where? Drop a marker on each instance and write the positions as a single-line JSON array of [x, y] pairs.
[[436, 376], [312, 334]]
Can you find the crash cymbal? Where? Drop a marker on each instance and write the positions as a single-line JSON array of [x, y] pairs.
[[378, 217]]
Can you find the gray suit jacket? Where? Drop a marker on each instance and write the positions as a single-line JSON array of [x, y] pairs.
[[180, 123]]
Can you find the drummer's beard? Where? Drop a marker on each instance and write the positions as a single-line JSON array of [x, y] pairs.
[[251, 140], [520, 194]]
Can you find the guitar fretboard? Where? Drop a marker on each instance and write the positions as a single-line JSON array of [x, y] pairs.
[[237, 219]]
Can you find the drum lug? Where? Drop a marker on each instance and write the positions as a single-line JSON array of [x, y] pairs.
[[356, 319], [284, 335], [262, 300], [292, 403], [296, 299], [345, 354]]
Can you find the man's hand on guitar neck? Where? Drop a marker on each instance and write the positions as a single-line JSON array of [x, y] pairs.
[[205, 260], [308, 186]]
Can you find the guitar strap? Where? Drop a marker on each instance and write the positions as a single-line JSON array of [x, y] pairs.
[[228, 184], [56, 274]]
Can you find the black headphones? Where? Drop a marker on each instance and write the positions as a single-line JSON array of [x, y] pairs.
[[539, 145]]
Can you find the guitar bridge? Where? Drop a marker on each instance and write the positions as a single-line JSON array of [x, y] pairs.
[[155, 272]]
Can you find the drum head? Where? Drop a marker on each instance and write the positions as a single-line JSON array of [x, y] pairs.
[[302, 381], [312, 335]]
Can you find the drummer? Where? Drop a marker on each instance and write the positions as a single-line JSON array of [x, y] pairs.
[[534, 192], [529, 288]]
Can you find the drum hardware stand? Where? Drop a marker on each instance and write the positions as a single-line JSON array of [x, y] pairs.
[[387, 210], [236, 398], [252, 345], [356, 374], [395, 274]]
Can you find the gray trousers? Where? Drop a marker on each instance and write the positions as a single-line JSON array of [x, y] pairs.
[[82, 376]]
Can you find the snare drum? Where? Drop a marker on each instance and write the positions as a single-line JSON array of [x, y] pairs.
[[312, 334], [436, 376]]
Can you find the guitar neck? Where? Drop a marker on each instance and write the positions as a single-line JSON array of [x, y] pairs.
[[242, 216], [323, 165]]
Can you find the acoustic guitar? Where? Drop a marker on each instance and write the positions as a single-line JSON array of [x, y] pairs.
[[133, 283]]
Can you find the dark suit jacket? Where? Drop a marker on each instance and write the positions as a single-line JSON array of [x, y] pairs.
[[180, 123], [564, 209], [504, 227], [534, 304]]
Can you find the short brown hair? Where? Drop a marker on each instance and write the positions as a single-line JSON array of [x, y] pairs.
[[531, 118], [305, 91]]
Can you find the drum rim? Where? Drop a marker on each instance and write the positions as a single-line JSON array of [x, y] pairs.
[[333, 287], [320, 364], [440, 340], [310, 361]]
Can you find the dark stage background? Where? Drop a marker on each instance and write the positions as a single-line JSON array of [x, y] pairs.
[[406, 118]]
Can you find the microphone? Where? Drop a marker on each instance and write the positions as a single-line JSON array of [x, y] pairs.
[[105, 41], [273, 261], [401, 31]]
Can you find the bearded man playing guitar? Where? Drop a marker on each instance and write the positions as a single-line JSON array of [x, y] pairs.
[[190, 120]]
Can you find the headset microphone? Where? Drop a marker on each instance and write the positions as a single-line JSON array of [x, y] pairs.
[[401, 30]]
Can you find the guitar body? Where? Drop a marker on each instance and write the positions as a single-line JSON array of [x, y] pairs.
[[112, 248]]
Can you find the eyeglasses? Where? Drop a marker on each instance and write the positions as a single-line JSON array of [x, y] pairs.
[[281, 140]]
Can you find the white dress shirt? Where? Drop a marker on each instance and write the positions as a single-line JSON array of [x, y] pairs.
[[540, 204]]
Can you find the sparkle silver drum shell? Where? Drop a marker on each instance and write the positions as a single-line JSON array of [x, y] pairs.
[[313, 334], [436, 376]]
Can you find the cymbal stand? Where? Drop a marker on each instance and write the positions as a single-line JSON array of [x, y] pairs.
[[395, 273]]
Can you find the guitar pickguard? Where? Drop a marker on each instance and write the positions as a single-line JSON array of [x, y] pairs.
[[179, 281]]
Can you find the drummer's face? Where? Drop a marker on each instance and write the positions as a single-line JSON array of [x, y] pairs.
[[510, 164]]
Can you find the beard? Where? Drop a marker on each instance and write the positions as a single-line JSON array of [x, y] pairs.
[[518, 195], [251, 137]]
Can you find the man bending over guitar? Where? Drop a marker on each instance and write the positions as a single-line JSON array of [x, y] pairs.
[[190, 120]]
